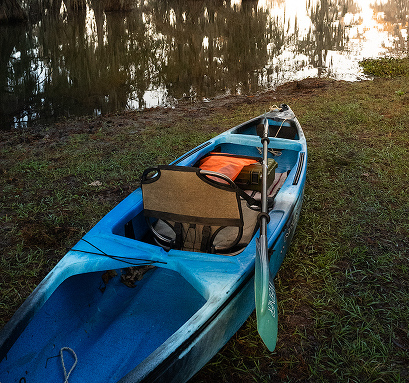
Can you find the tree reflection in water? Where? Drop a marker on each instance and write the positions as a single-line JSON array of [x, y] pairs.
[[77, 58]]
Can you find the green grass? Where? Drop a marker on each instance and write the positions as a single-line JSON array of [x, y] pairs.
[[343, 290]]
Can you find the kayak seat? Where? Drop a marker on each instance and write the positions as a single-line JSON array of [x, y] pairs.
[[192, 209]]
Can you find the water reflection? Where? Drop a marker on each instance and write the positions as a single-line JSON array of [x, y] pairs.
[[211, 47], [76, 58], [395, 21]]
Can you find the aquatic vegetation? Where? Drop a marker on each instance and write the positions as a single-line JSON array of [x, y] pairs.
[[387, 67]]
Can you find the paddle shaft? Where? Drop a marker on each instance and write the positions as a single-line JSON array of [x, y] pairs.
[[265, 140], [263, 249], [263, 243]]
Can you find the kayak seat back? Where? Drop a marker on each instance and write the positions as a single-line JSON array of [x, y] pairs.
[[191, 209]]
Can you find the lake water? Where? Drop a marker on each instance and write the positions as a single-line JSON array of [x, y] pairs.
[[89, 62]]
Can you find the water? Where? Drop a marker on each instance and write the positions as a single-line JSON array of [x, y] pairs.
[[89, 61]]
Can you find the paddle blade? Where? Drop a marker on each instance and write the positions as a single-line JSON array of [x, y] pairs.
[[265, 296]]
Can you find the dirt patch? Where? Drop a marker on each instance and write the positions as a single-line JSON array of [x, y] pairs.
[[41, 235], [186, 109]]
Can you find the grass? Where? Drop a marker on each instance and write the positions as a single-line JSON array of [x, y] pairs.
[[343, 290], [343, 294]]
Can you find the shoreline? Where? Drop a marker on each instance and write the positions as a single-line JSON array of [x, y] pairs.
[[350, 245]]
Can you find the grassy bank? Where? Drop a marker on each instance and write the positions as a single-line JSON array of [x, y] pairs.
[[343, 289]]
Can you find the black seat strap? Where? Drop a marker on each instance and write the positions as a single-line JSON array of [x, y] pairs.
[[178, 229], [206, 234]]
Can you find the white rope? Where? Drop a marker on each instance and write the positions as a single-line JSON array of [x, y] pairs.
[[66, 376], [278, 131], [272, 151]]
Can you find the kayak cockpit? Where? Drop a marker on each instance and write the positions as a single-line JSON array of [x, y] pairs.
[[185, 207], [278, 128], [98, 317]]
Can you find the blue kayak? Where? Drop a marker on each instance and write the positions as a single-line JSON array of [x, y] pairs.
[[136, 301]]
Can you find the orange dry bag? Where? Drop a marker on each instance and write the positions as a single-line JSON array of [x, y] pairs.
[[226, 164]]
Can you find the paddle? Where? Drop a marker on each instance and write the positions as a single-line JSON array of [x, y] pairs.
[[265, 297]]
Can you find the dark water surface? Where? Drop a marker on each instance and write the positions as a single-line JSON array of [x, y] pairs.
[[68, 62]]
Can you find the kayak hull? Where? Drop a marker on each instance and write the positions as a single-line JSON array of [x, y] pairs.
[[177, 314]]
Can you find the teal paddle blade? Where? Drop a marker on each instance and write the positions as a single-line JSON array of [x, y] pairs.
[[265, 296]]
